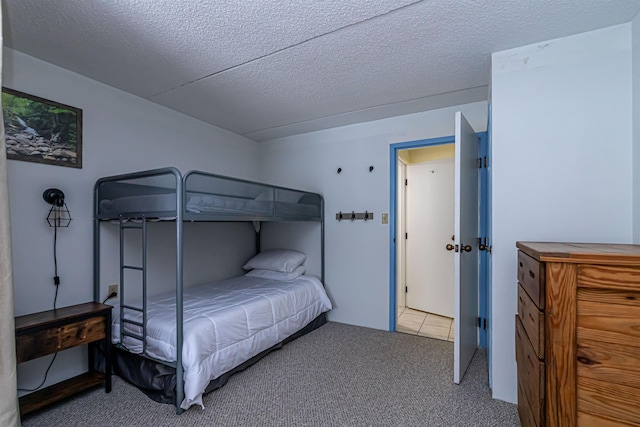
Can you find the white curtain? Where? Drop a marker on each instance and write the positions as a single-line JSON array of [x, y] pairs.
[[9, 413]]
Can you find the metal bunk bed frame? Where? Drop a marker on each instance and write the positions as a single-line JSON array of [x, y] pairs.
[[180, 215]]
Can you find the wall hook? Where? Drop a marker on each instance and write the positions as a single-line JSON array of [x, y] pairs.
[[370, 168], [339, 170], [355, 216]]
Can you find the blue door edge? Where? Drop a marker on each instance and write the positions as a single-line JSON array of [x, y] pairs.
[[489, 230], [482, 229]]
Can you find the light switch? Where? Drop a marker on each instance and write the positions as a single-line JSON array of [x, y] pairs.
[[385, 218]]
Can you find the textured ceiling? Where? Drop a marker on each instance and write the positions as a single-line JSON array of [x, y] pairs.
[[268, 68]]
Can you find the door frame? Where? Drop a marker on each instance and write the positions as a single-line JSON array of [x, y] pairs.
[[401, 269], [484, 214]]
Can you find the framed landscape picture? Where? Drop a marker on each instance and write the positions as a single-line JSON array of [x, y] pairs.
[[42, 131]]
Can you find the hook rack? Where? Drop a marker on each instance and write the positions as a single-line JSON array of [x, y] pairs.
[[354, 216]]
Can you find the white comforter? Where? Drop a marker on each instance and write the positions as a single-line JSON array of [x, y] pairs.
[[225, 324]]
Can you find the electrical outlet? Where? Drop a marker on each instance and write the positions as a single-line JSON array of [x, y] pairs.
[[113, 289]]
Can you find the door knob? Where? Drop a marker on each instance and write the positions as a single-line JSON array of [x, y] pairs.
[[449, 247], [465, 248]]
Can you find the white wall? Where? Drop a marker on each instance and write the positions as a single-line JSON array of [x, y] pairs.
[[302, 236], [562, 169], [121, 133], [635, 41], [357, 253]]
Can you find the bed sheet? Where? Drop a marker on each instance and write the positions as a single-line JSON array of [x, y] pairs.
[[225, 324]]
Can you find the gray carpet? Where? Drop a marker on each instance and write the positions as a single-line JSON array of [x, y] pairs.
[[338, 375]]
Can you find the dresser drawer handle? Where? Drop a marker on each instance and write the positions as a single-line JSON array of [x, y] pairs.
[[531, 274], [586, 360]]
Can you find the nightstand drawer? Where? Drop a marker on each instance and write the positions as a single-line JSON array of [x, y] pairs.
[[59, 338], [532, 320]]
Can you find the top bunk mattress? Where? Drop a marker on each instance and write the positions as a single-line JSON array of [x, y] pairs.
[[137, 204], [208, 197], [225, 324], [165, 205]]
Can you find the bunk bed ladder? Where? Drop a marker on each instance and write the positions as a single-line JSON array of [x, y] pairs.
[[142, 225]]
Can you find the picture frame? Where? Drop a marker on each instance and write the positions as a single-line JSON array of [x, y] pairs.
[[40, 130]]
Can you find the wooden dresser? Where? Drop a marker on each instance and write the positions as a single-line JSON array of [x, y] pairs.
[[578, 334]]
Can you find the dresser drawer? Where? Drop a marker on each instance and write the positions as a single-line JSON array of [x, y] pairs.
[[531, 377], [532, 320], [531, 275], [524, 409]]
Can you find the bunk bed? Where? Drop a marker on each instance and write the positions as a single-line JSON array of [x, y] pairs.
[[157, 337]]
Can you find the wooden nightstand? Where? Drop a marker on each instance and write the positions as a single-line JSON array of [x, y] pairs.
[[51, 331]]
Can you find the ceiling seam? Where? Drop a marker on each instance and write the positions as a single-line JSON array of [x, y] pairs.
[[282, 49], [361, 110]]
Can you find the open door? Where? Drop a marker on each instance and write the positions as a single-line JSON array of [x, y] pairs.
[[465, 247]]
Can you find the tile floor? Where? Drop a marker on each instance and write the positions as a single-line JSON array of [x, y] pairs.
[[424, 324]]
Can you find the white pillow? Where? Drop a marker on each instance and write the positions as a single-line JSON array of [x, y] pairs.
[[283, 260], [276, 275]]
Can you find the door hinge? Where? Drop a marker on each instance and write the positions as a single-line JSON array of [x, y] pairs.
[[406, 289], [483, 244], [482, 323], [479, 162], [406, 182], [406, 236], [486, 162]]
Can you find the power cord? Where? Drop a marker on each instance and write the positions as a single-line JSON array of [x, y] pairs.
[[56, 282], [111, 295], [45, 376]]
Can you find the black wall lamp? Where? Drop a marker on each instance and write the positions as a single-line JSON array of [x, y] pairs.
[[59, 215]]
